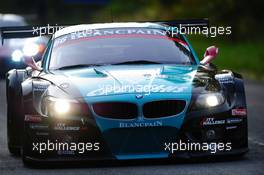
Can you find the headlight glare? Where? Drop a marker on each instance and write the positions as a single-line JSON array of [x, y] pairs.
[[212, 100], [209, 100], [30, 49], [61, 106], [17, 55]]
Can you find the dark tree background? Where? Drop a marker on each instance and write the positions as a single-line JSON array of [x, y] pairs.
[[245, 17]]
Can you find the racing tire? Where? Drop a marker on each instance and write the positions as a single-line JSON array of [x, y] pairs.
[[26, 162], [26, 152], [14, 113]]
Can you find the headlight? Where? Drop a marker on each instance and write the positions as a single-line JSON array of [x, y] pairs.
[[209, 100], [60, 107], [17, 55], [30, 49]]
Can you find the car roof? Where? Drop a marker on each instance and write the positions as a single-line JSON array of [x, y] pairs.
[[83, 27]]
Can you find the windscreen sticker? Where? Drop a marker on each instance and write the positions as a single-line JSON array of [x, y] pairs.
[[116, 33]]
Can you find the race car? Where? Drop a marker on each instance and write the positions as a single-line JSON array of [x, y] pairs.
[[124, 91], [13, 50]]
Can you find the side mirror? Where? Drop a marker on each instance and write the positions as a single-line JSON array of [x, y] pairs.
[[210, 53], [29, 61]]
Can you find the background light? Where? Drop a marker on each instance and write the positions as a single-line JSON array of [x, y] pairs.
[[17, 55], [62, 106], [30, 49]]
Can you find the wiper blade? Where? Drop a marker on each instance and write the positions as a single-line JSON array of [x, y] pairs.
[[138, 62], [76, 66]]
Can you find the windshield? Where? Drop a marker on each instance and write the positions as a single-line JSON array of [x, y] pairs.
[[117, 46]]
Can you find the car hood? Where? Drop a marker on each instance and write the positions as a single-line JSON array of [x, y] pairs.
[[125, 79]]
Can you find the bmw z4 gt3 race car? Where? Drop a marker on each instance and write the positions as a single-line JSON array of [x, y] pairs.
[[121, 91]]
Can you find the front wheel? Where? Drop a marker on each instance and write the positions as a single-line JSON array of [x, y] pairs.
[[15, 116], [13, 126]]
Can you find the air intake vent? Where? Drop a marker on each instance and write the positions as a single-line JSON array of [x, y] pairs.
[[116, 110], [163, 108]]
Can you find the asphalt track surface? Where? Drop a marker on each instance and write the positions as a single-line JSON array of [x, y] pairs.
[[252, 163]]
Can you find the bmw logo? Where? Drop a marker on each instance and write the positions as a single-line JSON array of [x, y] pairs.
[[139, 96]]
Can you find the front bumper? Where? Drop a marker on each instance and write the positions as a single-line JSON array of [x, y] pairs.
[[226, 128]]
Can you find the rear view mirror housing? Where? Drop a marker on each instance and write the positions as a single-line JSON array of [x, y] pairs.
[[29, 61], [210, 54]]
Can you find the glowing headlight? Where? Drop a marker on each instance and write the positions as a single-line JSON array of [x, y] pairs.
[[17, 55], [30, 49], [62, 106], [209, 100], [59, 107], [212, 100]]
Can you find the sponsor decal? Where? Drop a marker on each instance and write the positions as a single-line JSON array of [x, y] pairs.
[[225, 78], [140, 124], [240, 112], [40, 86], [212, 121], [226, 81], [38, 127], [63, 127], [231, 127], [233, 120], [90, 34], [33, 118], [84, 128]]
